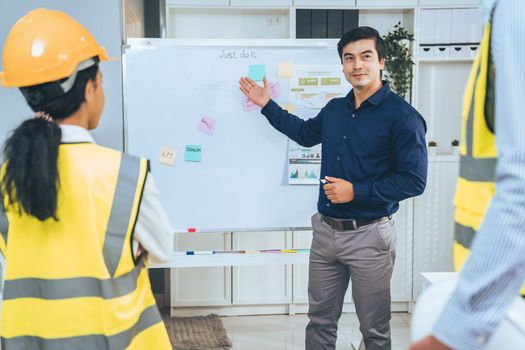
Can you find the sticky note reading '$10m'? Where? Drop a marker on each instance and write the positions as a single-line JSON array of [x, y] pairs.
[[192, 153]]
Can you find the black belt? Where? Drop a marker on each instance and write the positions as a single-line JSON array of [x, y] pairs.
[[349, 224]]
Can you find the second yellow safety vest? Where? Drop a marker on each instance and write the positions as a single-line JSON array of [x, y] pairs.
[[73, 283], [478, 153]]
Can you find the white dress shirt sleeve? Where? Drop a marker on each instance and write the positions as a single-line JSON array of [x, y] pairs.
[[153, 229]]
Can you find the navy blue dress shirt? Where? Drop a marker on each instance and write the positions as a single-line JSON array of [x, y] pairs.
[[379, 147]]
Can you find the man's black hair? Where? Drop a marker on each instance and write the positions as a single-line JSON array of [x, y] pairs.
[[360, 33]]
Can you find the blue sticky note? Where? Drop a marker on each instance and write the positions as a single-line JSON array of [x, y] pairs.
[[257, 72], [192, 153]]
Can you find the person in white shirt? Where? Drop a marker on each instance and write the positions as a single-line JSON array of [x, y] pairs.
[[495, 270]]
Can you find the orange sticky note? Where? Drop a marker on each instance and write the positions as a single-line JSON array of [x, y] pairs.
[[289, 107], [284, 70]]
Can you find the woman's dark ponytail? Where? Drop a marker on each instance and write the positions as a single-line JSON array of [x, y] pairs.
[[31, 175], [31, 178]]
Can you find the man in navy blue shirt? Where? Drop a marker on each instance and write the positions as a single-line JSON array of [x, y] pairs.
[[373, 156]]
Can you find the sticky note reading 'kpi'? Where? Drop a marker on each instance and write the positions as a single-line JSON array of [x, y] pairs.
[[167, 156], [207, 125], [257, 72], [284, 70], [192, 153]]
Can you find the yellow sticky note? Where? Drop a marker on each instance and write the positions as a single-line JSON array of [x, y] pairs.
[[284, 70], [167, 156], [290, 108]]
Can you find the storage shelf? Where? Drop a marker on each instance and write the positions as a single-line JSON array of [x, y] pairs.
[[438, 86]]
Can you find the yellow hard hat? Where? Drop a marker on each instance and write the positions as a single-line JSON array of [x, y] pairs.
[[44, 46]]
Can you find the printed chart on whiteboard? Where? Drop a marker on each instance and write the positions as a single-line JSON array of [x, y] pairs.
[[311, 87]]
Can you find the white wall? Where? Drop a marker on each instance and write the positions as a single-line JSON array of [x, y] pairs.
[[103, 19]]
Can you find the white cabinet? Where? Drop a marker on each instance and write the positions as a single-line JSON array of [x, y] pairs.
[[260, 3], [259, 285], [449, 2], [466, 26], [233, 3], [435, 27], [401, 283], [442, 34], [206, 286], [440, 96], [301, 240], [232, 22], [434, 219], [193, 3], [427, 19], [386, 3], [445, 26], [325, 3], [466, 32]]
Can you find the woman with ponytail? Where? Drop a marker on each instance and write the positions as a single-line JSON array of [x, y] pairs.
[[77, 220], [32, 149]]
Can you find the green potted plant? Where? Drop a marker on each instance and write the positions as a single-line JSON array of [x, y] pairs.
[[398, 60], [432, 147], [455, 147]]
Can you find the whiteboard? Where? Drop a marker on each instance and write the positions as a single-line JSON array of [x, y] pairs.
[[241, 182]]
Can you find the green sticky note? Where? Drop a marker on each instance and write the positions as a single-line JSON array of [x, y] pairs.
[[192, 153], [257, 72]]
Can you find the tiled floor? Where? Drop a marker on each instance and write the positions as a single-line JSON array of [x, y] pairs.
[[281, 332]]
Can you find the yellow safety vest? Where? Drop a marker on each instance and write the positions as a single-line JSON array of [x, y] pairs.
[[73, 283], [478, 153]]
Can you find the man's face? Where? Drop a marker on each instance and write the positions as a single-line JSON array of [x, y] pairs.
[[361, 65]]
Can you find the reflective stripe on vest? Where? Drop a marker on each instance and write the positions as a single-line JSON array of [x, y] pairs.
[[99, 298], [464, 235], [121, 211], [73, 287], [148, 318]]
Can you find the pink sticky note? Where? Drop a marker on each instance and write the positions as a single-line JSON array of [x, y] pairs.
[[207, 125], [248, 105], [275, 90]]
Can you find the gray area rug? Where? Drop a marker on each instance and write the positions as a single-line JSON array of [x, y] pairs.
[[197, 333]]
